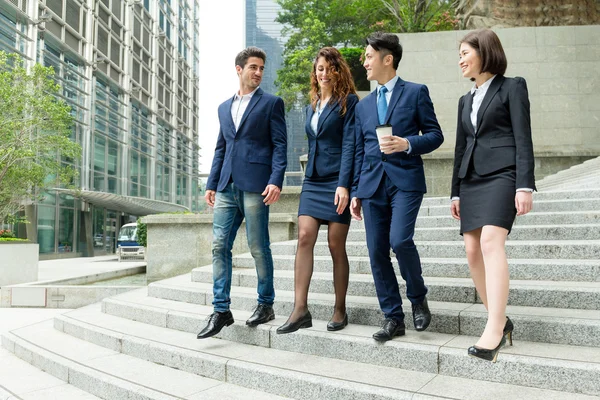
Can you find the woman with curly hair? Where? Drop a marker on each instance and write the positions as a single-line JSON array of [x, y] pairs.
[[325, 191]]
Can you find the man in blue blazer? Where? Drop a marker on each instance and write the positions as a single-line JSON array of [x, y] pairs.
[[245, 179], [389, 182]]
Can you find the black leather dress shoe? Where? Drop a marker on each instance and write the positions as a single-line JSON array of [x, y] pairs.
[[216, 322], [262, 313], [337, 326], [303, 322], [389, 329], [421, 315]]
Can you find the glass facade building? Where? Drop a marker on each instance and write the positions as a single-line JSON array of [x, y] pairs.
[[263, 31], [129, 71]]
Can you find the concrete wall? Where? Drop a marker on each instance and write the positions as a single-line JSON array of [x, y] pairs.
[[561, 66], [18, 262]]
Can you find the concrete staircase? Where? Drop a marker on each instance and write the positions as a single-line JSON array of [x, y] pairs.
[[581, 176], [141, 344]]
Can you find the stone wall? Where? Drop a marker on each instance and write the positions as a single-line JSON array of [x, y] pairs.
[[561, 67], [474, 14]]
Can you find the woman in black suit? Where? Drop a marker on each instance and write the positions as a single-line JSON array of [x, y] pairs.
[[493, 176], [324, 197]]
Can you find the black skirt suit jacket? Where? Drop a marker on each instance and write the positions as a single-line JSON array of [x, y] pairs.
[[331, 148], [503, 137]]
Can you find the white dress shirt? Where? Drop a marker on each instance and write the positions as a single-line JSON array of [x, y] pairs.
[[239, 105], [314, 121], [388, 96], [478, 96]]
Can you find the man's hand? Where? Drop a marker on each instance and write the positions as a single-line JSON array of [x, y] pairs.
[[455, 209], [271, 194], [209, 196], [523, 202], [341, 199], [355, 206], [393, 144]]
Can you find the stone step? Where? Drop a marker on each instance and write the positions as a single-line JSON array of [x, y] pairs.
[[533, 218], [109, 374], [538, 206], [522, 232], [20, 380], [557, 367], [544, 249], [552, 325], [577, 295], [520, 269], [587, 184]]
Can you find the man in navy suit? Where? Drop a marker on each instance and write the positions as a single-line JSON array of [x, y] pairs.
[[245, 179], [389, 182]]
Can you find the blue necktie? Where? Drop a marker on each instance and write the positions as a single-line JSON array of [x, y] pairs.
[[382, 105]]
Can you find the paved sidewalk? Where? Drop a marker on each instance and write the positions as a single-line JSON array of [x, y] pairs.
[[20, 380], [81, 266]]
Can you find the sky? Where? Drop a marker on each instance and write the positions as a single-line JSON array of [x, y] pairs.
[[222, 36]]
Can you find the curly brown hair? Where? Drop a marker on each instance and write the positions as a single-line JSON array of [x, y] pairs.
[[340, 74]]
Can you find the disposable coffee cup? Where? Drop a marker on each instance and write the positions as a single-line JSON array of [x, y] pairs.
[[383, 130]]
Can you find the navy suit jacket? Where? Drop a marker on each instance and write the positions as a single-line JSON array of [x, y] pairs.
[[331, 148], [256, 155], [503, 137], [410, 111]]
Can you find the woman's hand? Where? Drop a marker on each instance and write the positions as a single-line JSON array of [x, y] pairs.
[[523, 202], [341, 199], [455, 209]]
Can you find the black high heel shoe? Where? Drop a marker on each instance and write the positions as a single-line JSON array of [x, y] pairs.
[[487, 354], [303, 322], [337, 326], [508, 330]]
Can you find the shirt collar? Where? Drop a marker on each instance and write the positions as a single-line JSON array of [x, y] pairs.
[[483, 87], [389, 85], [249, 95]]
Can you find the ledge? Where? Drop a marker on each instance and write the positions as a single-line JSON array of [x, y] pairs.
[[160, 219]]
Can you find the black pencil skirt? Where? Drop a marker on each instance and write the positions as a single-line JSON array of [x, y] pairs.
[[488, 200]]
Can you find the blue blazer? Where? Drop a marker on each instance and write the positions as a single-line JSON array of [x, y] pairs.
[[331, 148], [256, 155], [410, 111]]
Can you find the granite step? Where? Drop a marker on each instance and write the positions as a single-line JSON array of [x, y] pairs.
[[542, 365], [535, 249], [181, 363], [520, 269], [577, 295], [538, 206], [519, 232], [552, 325], [109, 374], [533, 218]]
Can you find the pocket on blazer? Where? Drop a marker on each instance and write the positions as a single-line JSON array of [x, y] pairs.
[[260, 160], [506, 141], [334, 150]]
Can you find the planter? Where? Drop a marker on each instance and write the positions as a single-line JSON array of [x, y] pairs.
[[18, 262], [177, 244]]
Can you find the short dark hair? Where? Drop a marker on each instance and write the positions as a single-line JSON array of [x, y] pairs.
[[488, 46], [386, 43], [242, 58]]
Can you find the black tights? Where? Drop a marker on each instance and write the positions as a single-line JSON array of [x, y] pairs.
[[308, 229]]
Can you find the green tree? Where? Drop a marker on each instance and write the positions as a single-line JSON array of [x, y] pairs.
[[312, 24], [36, 152], [422, 15]]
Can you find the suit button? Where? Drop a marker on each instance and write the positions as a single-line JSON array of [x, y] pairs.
[[384, 159]]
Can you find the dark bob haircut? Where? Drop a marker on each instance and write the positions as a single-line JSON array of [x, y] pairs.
[[242, 58], [488, 46], [386, 43]]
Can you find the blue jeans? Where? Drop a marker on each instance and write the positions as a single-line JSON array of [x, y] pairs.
[[231, 207]]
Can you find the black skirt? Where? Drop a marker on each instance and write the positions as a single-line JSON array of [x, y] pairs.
[[488, 200], [316, 200]]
